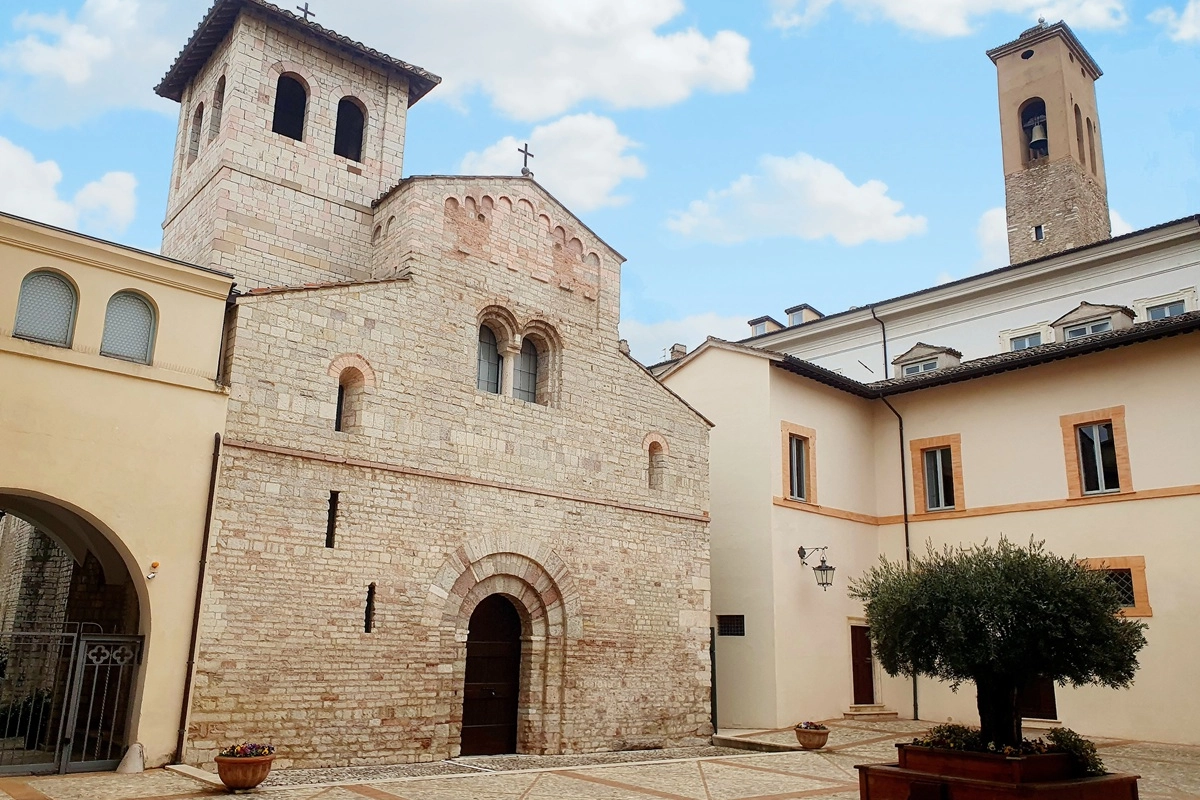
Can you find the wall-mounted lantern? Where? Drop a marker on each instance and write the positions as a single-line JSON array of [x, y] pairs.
[[822, 572]]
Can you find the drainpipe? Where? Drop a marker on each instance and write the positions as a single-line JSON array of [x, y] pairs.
[[903, 487], [191, 665]]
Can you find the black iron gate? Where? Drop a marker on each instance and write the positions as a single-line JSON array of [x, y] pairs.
[[64, 700]]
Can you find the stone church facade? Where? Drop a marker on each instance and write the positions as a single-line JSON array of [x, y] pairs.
[[429, 406]]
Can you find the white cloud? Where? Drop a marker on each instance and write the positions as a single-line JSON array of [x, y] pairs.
[[29, 188], [799, 196], [992, 235], [1119, 226], [649, 342], [953, 17], [533, 58], [1182, 27], [581, 159]]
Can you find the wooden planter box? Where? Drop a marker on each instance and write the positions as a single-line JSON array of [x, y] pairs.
[[926, 773]]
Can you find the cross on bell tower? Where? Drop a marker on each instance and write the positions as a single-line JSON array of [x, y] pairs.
[[525, 170], [305, 12]]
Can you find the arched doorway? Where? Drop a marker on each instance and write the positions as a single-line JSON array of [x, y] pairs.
[[69, 645], [492, 686]]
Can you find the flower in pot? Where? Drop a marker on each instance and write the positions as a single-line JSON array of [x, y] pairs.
[[811, 735], [245, 765]]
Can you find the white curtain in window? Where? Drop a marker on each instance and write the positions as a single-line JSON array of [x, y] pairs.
[[45, 309], [128, 328]]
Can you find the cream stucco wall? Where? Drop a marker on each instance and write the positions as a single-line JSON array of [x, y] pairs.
[[126, 447]]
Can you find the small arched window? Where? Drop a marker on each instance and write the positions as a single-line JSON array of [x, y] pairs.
[[351, 385], [194, 136], [128, 328], [1079, 136], [490, 361], [351, 122], [657, 466], [525, 373], [1091, 144], [218, 104], [46, 309], [1034, 130], [291, 99]]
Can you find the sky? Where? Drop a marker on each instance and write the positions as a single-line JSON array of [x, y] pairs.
[[744, 156]]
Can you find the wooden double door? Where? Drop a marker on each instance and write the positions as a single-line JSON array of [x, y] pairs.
[[492, 686]]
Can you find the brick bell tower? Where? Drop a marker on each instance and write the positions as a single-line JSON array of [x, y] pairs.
[[288, 132], [1054, 184]]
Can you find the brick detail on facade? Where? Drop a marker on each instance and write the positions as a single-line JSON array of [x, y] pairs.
[[1071, 206]]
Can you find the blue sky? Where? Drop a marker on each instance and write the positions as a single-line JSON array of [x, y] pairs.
[[744, 156]]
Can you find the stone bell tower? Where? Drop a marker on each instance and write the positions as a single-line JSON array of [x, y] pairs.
[[1054, 183], [288, 132]]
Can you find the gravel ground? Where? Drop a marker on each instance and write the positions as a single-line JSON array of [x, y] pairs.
[[458, 766]]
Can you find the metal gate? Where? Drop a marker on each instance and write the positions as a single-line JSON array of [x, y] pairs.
[[64, 700]]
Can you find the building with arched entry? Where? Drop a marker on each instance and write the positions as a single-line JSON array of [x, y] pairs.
[[108, 418]]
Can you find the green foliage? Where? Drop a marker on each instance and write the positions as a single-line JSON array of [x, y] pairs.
[[1083, 751], [1059, 740], [1005, 611]]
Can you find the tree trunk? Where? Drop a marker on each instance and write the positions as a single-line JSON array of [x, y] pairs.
[[998, 718]]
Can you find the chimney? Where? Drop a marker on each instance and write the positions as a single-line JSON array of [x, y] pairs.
[[678, 351]]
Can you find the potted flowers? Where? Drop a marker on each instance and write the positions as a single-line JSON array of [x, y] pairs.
[[811, 735], [246, 765]]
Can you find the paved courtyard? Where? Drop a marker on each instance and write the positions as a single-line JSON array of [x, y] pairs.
[[1168, 771]]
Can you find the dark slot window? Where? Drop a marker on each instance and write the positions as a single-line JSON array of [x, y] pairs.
[[290, 102], [341, 407], [369, 615], [331, 522], [731, 625], [1122, 581], [348, 137]]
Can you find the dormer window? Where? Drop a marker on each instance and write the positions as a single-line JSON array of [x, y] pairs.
[[1166, 310], [758, 329], [798, 315], [923, 358], [1088, 329], [762, 325], [917, 369], [1089, 319]]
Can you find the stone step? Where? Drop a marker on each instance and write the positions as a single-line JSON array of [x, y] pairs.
[[870, 712], [758, 745]]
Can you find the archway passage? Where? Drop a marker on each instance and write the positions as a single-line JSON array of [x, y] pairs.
[[493, 679]]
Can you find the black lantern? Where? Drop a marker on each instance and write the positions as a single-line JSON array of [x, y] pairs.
[[823, 572]]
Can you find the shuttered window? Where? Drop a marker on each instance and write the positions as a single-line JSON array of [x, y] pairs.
[[46, 309], [128, 328]]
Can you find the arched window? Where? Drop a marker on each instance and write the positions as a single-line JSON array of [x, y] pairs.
[[194, 137], [1034, 130], [525, 373], [1079, 136], [351, 383], [490, 361], [46, 309], [214, 124], [128, 328], [657, 466], [351, 121], [1091, 144], [291, 99]]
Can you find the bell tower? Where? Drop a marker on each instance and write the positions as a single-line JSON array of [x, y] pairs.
[[1054, 184]]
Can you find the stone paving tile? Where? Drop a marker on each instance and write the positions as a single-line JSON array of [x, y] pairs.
[[110, 786], [728, 782], [503, 763], [300, 777], [808, 763]]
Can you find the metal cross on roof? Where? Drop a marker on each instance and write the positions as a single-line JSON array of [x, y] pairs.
[[305, 12], [528, 155]]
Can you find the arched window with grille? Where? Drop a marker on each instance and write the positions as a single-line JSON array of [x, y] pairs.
[[46, 309], [351, 123], [194, 136], [218, 105], [525, 373], [128, 328], [291, 100], [490, 361]]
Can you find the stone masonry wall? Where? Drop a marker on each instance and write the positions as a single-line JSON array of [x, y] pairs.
[[1072, 207]]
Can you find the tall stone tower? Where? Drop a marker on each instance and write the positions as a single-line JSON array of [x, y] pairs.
[[1050, 131], [287, 134]]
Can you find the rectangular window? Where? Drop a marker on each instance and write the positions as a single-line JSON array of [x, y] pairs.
[[731, 625], [1039, 233], [758, 329], [798, 463], [939, 479], [917, 369], [1172, 309], [331, 520], [1122, 581], [1098, 458], [1090, 328], [1126, 574], [1025, 342]]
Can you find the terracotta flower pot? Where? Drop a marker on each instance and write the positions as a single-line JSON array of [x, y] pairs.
[[811, 739], [243, 773]]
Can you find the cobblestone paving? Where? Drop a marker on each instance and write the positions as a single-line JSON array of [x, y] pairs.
[[1168, 771]]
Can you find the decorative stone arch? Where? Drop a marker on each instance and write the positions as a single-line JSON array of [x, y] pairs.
[[504, 324], [353, 361], [656, 450], [550, 358], [655, 438], [542, 589]]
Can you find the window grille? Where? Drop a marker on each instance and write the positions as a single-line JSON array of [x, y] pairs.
[[45, 309], [488, 377], [731, 625], [1122, 581], [128, 328], [525, 373]]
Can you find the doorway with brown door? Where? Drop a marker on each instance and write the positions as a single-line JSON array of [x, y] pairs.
[[861, 666], [492, 686]]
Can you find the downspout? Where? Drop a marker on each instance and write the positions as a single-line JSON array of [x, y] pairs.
[[191, 664], [903, 487]]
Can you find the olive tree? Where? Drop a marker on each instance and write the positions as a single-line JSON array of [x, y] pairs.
[[998, 617]]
